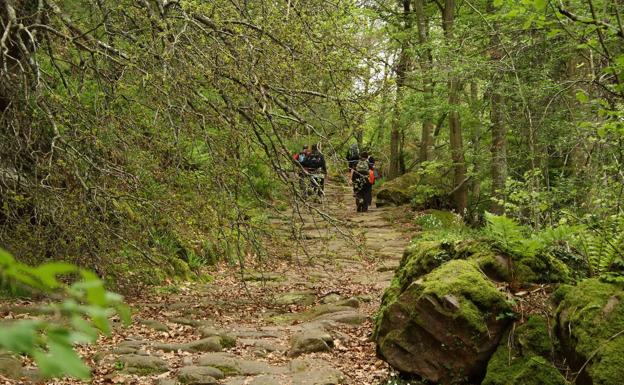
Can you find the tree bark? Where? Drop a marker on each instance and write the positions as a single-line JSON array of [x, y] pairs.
[[498, 149], [400, 71], [426, 62], [460, 190]]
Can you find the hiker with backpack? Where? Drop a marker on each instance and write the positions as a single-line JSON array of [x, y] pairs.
[[363, 178], [316, 169], [300, 157]]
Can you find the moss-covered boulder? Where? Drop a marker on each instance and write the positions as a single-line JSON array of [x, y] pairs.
[[523, 358], [590, 327], [443, 326], [397, 191]]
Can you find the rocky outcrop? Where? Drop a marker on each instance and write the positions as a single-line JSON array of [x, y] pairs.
[[590, 327], [443, 326]]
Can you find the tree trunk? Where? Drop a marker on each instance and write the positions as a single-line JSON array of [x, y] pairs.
[[401, 72], [499, 131], [460, 189], [426, 63]]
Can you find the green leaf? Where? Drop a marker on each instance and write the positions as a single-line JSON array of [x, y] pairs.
[[582, 97], [20, 337], [5, 258], [61, 360], [47, 272], [540, 5]]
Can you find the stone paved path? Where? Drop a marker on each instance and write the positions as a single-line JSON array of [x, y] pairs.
[[302, 319]]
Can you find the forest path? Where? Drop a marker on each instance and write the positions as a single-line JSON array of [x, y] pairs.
[[301, 319]]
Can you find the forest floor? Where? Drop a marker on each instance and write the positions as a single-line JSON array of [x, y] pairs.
[[303, 317]]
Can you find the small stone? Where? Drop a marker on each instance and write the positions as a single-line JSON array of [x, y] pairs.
[[331, 298]]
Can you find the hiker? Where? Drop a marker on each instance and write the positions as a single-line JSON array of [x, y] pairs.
[[316, 168], [362, 177], [353, 155], [300, 157]]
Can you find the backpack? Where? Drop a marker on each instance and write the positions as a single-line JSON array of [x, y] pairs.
[[362, 167], [354, 152], [371, 176], [313, 161]]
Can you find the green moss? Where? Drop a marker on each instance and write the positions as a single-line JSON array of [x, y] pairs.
[[540, 268], [590, 322], [506, 368], [533, 336], [476, 294]]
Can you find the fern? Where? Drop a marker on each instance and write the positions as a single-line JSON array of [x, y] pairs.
[[510, 236]]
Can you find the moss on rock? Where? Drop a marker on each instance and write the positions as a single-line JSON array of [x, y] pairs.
[[590, 326], [524, 360], [443, 326], [396, 191], [507, 369]]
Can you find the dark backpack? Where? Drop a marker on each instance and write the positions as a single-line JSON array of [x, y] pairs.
[[354, 152], [313, 161]]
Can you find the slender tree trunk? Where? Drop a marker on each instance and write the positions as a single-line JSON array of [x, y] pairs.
[[401, 72], [426, 139], [499, 131], [476, 140], [460, 189]]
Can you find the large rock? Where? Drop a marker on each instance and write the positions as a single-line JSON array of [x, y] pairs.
[[397, 191], [421, 189], [444, 326], [524, 357], [590, 327]]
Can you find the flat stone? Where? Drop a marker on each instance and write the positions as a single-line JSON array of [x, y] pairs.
[[331, 298], [346, 317], [266, 379], [314, 339], [303, 298], [351, 302], [10, 366], [314, 372], [137, 364], [199, 375], [261, 344], [210, 344], [232, 365], [166, 381], [256, 276], [154, 324], [187, 321], [227, 340]]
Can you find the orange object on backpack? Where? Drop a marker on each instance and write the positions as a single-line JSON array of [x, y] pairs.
[[371, 176]]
